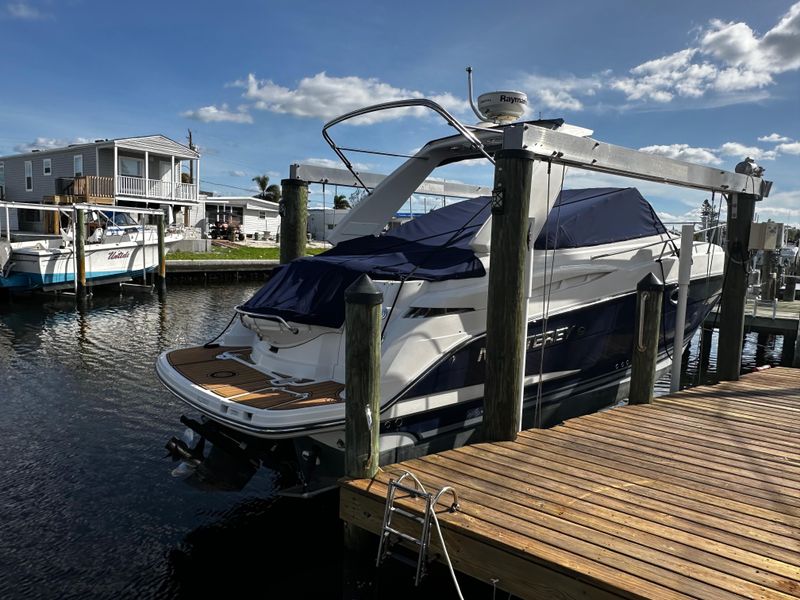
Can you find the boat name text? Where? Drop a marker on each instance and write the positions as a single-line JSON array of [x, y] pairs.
[[536, 341]]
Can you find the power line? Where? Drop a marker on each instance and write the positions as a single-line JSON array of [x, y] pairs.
[[235, 187]]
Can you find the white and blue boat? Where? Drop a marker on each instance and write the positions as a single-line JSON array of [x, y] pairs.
[[117, 249], [274, 379]]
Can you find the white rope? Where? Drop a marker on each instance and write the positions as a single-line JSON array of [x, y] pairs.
[[446, 556]]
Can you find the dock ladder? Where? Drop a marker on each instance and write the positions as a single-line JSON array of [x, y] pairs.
[[390, 535]]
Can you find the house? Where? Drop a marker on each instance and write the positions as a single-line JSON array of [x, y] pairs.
[[253, 215], [321, 221], [126, 171]]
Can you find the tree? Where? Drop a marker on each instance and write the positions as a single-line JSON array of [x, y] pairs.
[[340, 202], [357, 196], [273, 193], [268, 192]]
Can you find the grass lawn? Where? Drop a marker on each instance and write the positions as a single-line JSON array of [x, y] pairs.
[[244, 253]]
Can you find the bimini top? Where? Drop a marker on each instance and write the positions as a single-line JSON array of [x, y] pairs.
[[436, 247]]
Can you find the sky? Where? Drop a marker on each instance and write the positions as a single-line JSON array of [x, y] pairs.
[[709, 82]]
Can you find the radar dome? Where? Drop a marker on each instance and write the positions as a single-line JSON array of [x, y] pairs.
[[502, 107]]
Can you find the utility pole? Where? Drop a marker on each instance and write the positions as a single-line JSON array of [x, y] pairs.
[[191, 180]]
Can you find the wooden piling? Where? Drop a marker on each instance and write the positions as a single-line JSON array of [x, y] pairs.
[[649, 296], [790, 291], [505, 337], [706, 339], [362, 377], [79, 244], [731, 323], [294, 219], [362, 422], [161, 278]]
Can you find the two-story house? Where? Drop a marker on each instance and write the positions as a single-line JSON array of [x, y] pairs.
[[124, 171]]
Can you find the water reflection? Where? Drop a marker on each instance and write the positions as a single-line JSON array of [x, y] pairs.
[[88, 506]]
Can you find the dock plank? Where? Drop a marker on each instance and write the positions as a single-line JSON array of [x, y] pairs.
[[694, 496], [499, 492]]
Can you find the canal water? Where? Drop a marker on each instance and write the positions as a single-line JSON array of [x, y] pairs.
[[89, 507]]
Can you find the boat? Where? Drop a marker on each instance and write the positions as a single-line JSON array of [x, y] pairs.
[[271, 386], [117, 248]]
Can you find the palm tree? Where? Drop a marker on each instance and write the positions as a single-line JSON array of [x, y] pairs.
[[263, 183], [268, 192], [273, 193], [340, 202]]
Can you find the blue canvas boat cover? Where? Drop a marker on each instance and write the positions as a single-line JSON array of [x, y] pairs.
[[436, 247]]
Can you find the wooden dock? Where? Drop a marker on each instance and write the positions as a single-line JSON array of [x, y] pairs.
[[694, 496], [758, 317]]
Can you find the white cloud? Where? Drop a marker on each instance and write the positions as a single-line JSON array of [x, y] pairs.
[[684, 152], [774, 137], [43, 143], [23, 10], [741, 151], [560, 92], [730, 58], [325, 97], [781, 206], [213, 114], [237, 173], [792, 148], [334, 164]]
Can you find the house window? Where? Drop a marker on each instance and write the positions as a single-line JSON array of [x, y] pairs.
[[262, 214], [47, 166], [131, 167], [77, 165], [28, 176]]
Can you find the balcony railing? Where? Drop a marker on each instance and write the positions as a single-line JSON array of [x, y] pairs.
[[155, 188], [90, 186]]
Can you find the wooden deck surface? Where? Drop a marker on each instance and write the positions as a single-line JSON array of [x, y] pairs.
[[694, 496], [236, 382]]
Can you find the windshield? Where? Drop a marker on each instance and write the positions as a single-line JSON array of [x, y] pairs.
[[116, 218]]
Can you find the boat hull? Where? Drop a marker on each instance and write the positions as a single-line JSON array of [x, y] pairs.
[[585, 368], [40, 267]]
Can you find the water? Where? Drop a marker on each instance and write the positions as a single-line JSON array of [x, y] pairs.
[[88, 508]]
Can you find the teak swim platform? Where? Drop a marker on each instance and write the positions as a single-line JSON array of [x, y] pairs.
[[694, 496], [221, 370]]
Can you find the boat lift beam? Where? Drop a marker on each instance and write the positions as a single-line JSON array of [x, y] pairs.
[[343, 177], [586, 153]]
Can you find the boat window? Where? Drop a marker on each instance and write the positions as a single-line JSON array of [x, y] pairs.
[[2, 180], [77, 165], [28, 176], [118, 218]]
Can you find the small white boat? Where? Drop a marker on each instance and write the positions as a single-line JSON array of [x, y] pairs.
[[118, 247]]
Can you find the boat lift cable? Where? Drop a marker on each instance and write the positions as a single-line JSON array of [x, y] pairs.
[[548, 289], [211, 343]]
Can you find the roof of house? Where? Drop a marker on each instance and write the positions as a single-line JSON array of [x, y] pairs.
[[250, 202], [158, 144]]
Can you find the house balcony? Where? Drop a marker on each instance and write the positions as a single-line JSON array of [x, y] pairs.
[[101, 190], [156, 189]]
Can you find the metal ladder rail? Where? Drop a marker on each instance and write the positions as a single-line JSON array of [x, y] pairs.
[[423, 542]]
